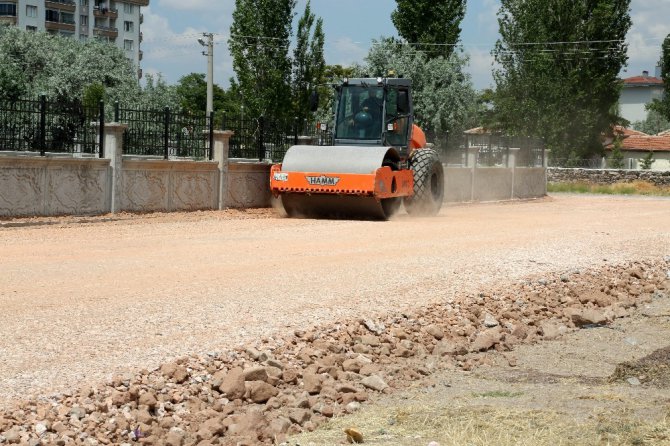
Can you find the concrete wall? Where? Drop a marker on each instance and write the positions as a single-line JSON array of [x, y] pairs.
[[41, 186], [248, 185], [53, 186], [493, 184], [167, 186], [530, 182]]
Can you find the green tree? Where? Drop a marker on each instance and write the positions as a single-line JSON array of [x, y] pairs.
[[157, 94], [308, 61], [192, 93], [616, 158], [62, 68], [662, 106], [647, 162], [444, 98], [559, 64], [654, 124], [259, 44], [435, 25]]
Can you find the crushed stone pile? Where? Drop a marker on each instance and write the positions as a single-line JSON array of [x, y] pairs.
[[262, 393]]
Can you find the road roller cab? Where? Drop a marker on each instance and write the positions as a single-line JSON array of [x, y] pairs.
[[378, 161]]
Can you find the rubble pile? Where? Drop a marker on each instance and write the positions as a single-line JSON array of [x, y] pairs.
[[262, 393]]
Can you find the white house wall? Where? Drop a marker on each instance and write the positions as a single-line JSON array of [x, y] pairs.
[[633, 100]]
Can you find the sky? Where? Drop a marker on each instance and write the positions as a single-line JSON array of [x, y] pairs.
[[172, 27]]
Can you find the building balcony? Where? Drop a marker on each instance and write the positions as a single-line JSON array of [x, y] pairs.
[[141, 55], [63, 5], [137, 2], [106, 31], [7, 20], [58, 26], [141, 18], [112, 13]]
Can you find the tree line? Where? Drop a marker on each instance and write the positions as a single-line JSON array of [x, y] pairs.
[[556, 71]]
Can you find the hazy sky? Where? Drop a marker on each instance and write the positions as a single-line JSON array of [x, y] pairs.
[[171, 29]]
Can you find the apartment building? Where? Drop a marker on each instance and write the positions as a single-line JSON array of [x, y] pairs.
[[112, 21]]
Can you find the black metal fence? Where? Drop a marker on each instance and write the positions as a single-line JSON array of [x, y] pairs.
[[493, 150], [166, 133], [269, 139], [51, 127]]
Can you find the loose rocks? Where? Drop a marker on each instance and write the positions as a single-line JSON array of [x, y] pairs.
[[260, 394]]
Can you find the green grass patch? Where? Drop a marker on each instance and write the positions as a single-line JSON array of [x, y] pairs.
[[497, 394], [634, 188]]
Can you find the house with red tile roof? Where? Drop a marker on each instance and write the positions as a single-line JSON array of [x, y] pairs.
[[638, 91], [636, 145]]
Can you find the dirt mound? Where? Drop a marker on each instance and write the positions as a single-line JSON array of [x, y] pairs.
[[262, 393], [653, 370]]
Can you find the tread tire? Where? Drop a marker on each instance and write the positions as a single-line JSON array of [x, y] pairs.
[[428, 183]]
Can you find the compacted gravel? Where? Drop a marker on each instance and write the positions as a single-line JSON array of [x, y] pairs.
[[84, 299]]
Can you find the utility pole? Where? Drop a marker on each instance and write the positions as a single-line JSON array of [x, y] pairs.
[[210, 69]]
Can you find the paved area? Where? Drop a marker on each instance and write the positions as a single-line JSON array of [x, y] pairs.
[[82, 301]]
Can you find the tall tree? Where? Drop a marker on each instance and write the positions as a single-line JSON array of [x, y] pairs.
[[259, 44], [308, 61], [434, 24], [559, 64], [662, 106]]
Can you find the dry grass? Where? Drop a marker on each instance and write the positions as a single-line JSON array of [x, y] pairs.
[[634, 188], [457, 426]]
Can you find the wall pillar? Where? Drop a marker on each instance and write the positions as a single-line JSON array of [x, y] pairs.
[[114, 153], [512, 157], [472, 164], [221, 151]]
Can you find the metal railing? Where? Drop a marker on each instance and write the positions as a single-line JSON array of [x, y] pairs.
[[166, 133], [269, 139], [51, 127]]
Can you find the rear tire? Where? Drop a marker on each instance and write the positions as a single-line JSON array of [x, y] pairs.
[[428, 183]]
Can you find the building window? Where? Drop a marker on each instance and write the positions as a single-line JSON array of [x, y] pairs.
[[31, 11], [66, 17], [8, 9], [83, 37], [84, 3], [128, 45], [128, 8], [52, 15], [128, 26], [31, 28], [83, 20]]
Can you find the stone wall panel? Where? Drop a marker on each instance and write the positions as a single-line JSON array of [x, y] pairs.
[[76, 190], [194, 191], [607, 176], [145, 191], [21, 191]]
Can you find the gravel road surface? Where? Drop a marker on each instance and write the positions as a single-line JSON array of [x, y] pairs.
[[83, 301]]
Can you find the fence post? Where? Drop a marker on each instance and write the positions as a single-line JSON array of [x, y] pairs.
[[223, 121], [261, 142], [472, 152], [512, 161], [211, 135], [166, 133], [101, 144], [114, 153], [295, 131], [221, 150], [43, 125], [117, 112]]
